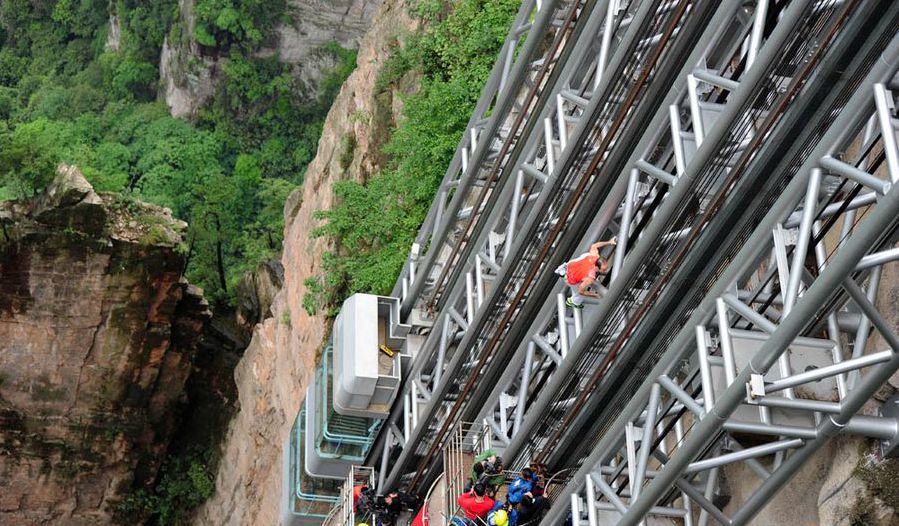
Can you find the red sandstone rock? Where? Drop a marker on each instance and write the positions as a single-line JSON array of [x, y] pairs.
[[95, 350]]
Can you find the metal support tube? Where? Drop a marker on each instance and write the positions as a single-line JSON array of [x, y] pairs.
[[881, 428], [705, 369], [561, 317], [791, 291], [753, 464], [878, 258], [743, 310], [441, 349], [413, 396], [489, 261], [605, 43], [385, 455], [872, 314], [817, 406], [883, 101], [547, 348], [710, 484], [758, 28], [469, 298], [681, 395], [859, 176], [560, 122], [860, 201], [769, 429], [500, 433], [716, 80], [407, 420], [630, 451], [591, 498], [513, 214], [523, 388], [646, 443], [815, 343], [703, 502], [825, 372], [864, 326], [607, 492], [575, 511], [550, 149], [478, 280], [460, 321], [833, 329], [680, 161], [695, 111], [727, 347], [660, 511], [743, 454], [656, 172], [626, 217]]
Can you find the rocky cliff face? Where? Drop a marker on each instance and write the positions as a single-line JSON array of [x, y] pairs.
[[275, 370], [188, 78], [97, 333]]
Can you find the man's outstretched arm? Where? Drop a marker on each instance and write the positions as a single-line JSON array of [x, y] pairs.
[[594, 248]]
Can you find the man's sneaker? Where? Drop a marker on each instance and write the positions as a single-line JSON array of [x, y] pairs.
[[569, 303]]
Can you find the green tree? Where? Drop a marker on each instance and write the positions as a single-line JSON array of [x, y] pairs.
[[224, 23], [29, 155], [375, 223]]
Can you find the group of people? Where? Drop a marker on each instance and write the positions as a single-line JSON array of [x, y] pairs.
[[524, 501]]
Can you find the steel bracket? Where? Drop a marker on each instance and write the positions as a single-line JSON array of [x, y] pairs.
[[890, 448]]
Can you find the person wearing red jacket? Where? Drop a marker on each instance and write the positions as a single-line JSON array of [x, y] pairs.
[[475, 503], [582, 272]]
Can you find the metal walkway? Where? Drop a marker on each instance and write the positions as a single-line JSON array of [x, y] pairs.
[[745, 155]]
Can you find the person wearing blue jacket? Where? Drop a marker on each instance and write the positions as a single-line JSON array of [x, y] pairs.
[[521, 486]]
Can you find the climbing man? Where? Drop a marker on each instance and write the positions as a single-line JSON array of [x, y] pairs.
[[582, 272]]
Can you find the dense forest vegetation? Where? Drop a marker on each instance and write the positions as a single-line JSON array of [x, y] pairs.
[[375, 223], [66, 97]]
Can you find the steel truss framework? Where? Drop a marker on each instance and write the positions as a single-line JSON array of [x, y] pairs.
[[680, 428], [538, 203], [645, 120], [526, 146]]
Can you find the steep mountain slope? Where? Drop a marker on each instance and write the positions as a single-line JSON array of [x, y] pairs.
[[278, 363]]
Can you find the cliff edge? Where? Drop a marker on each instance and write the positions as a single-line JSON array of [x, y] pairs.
[[98, 329]]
